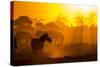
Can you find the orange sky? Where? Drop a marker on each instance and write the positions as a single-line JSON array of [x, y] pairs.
[[39, 10], [49, 11]]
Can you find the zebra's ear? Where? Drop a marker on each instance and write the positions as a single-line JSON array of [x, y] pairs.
[[45, 33]]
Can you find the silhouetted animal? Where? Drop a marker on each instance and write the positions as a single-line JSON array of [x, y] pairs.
[[38, 43]]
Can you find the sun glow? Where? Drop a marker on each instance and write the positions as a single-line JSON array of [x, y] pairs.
[[87, 14], [49, 12]]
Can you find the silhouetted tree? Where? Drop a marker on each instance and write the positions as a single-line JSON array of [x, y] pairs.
[[78, 36], [52, 26], [38, 24], [24, 23], [92, 20], [22, 20], [79, 29]]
